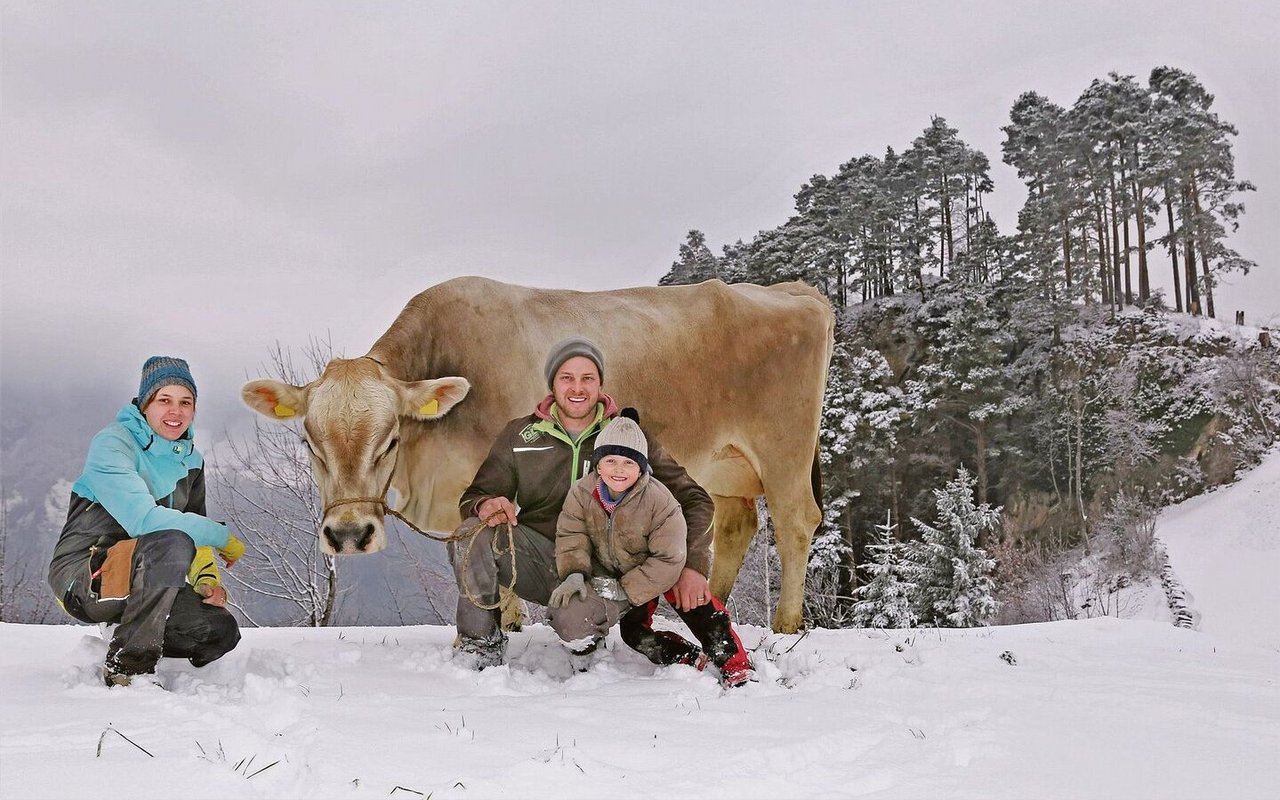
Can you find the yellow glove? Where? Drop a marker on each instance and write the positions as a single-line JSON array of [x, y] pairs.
[[203, 573], [205, 578], [232, 551]]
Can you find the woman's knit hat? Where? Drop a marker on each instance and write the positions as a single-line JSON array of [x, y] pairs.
[[622, 437], [162, 371], [567, 349]]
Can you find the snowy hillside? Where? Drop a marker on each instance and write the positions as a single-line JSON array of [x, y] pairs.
[[1099, 708], [1225, 548]]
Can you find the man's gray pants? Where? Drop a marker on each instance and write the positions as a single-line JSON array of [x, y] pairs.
[[484, 562]]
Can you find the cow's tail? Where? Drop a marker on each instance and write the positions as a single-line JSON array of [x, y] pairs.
[[815, 478]]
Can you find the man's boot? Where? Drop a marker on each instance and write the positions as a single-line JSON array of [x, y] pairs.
[[480, 652]]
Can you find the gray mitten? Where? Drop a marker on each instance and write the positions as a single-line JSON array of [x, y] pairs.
[[575, 584], [609, 589]]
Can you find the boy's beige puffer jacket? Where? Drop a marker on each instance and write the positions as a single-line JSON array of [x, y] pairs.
[[642, 544]]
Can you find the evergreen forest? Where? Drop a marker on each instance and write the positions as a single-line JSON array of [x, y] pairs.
[[1003, 406]]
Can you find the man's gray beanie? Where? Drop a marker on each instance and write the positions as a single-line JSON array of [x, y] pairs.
[[567, 349]]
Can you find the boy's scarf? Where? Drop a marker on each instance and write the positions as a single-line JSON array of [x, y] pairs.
[[606, 500]]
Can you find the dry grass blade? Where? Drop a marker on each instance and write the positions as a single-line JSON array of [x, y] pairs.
[[122, 736], [264, 769]]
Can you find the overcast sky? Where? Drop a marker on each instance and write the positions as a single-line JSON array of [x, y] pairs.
[[204, 179]]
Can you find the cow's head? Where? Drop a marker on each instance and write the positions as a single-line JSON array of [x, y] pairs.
[[351, 419]]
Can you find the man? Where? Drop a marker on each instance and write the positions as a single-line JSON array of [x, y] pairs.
[[534, 461]]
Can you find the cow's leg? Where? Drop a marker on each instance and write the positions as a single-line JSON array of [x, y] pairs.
[[734, 527], [512, 609], [795, 517]]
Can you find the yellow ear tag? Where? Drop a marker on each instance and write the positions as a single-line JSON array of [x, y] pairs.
[[284, 411], [430, 408]]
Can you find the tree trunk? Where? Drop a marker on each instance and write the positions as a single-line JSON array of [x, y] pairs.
[[1084, 266], [946, 211], [942, 232], [1066, 254], [1189, 255], [842, 277], [1078, 467], [980, 458], [1173, 250], [1144, 277], [331, 591], [1189, 269], [1204, 259], [1120, 299], [915, 246], [847, 573], [1104, 273], [968, 212]]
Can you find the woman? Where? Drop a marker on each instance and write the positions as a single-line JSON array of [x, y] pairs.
[[136, 517]]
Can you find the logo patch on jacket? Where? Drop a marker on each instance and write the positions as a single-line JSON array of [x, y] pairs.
[[529, 435]]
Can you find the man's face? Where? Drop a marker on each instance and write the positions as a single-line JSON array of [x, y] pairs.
[[170, 412], [619, 473], [576, 389]]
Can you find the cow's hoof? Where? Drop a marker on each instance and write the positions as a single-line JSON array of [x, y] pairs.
[[787, 623]]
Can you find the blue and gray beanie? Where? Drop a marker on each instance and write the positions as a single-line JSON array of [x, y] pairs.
[[162, 371]]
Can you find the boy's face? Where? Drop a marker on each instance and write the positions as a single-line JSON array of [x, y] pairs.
[[619, 473]]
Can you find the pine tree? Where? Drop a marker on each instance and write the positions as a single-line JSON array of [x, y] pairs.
[[861, 417], [953, 575], [1196, 169], [948, 173], [1037, 145], [967, 382], [696, 262], [887, 599]]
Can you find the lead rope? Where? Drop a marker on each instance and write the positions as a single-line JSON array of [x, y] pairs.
[[467, 533]]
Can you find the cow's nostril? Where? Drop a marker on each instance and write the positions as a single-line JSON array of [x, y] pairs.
[[328, 534], [368, 536]]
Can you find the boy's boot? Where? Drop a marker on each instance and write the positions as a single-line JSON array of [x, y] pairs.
[[581, 659]]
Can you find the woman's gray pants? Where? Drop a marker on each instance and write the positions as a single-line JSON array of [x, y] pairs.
[[162, 616]]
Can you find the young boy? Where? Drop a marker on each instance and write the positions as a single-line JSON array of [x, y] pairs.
[[624, 532]]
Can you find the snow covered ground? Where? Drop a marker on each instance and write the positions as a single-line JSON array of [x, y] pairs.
[[1102, 708], [1225, 548]]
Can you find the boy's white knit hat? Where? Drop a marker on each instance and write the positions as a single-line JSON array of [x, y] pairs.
[[622, 437]]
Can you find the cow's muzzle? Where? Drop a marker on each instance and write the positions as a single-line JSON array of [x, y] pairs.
[[354, 530], [357, 536]]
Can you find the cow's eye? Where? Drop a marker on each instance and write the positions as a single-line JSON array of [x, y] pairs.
[[390, 448], [312, 451]]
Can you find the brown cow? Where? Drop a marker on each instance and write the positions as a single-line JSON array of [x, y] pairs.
[[729, 378]]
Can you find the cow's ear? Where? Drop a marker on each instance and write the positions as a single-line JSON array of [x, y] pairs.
[[432, 399], [275, 400]]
